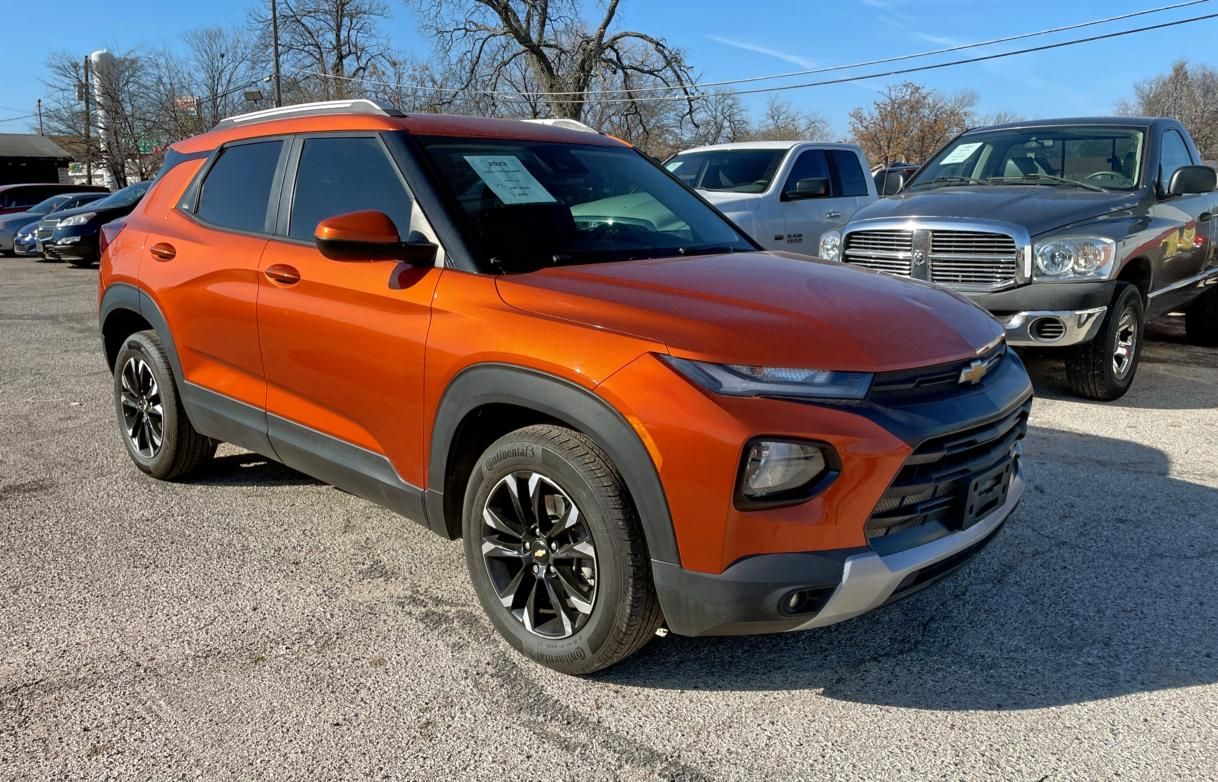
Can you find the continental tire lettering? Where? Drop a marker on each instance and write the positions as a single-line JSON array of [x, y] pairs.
[[549, 659], [526, 451]]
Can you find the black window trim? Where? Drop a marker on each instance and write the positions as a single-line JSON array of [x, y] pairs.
[[188, 204]]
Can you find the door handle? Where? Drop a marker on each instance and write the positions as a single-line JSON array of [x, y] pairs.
[[834, 213], [1204, 217], [282, 274], [163, 251]]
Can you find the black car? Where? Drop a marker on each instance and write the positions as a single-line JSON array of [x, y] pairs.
[[71, 235], [11, 223]]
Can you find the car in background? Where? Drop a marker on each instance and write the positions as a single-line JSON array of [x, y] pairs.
[[891, 178], [784, 194], [11, 223], [24, 242], [19, 198], [74, 235]]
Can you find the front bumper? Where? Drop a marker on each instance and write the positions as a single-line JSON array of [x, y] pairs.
[[1053, 328], [75, 247], [745, 598]]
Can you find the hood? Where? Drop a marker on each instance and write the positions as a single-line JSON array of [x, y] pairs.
[[15, 220], [1038, 208], [727, 201], [775, 309]]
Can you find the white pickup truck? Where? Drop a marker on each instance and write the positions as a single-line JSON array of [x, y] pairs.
[[784, 194]]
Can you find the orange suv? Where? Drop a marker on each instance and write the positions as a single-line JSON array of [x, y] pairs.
[[536, 340]]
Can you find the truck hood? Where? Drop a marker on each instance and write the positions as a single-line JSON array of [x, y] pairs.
[[772, 309], [1038, 208], [726, 201]]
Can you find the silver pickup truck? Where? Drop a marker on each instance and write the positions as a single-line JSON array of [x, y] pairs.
[[1072, 232]]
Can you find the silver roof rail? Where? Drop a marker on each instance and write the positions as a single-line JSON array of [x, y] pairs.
[[318, 109], [569, 124]]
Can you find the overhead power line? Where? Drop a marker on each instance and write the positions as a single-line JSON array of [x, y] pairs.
[[627, 93]]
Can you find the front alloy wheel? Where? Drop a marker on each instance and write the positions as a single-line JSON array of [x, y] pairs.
[[1126, 345], [539, 554]]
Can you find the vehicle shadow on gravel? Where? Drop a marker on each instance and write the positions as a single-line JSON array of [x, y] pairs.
[[1173, 374], [249, 469], [1101, 585]]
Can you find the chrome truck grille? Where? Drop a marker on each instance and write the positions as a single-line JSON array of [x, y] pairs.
[[970, 260]]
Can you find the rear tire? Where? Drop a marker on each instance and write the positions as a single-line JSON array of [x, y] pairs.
[[570, 586], [151, 419], [1104, 368], [1201, 319]]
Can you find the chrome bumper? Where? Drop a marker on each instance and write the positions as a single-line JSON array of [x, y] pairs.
[[1053, 328], [869, 580]]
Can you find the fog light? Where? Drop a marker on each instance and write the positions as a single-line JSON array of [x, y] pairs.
[[774, 466]]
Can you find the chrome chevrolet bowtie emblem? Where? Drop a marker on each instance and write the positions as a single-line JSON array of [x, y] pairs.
[[974, 373]]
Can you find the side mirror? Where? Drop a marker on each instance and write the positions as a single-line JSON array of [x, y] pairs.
[[812, 187], [370, 236], [1192, 179], [893, 183]]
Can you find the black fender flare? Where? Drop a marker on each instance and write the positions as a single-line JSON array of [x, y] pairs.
[[123, 296], [574, 405]]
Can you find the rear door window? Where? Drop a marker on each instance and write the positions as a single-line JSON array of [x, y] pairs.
[[345, 174], [236, 193], [851, 178]]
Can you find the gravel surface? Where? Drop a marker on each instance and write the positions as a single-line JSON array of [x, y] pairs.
[[255, 624]]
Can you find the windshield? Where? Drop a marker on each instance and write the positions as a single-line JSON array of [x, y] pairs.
[[529, 204], [730, 170], [1094, 158], [128, 196], [45, 207]]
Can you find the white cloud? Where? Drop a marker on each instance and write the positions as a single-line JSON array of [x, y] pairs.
[[795, 59]]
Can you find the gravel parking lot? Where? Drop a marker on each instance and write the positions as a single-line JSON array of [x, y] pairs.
[[254, 624]]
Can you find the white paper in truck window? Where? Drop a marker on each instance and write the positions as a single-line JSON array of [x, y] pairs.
[[960, 153], [507, 178]]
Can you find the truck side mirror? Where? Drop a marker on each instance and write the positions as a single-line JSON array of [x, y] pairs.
[[894, 183], [1192, 179], [812, 187]]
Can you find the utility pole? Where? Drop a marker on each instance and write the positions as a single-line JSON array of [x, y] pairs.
[[88, 91], [40, 133], [275, 52]]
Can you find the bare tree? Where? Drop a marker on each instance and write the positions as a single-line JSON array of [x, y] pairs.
[[568, 57], [223, 63], [1188, 93], [780, 121], [328, 46], [910, 122]]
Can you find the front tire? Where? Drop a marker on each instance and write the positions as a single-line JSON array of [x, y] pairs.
[[1104, 368], [556, 553], [153, 423], [1201, 319]]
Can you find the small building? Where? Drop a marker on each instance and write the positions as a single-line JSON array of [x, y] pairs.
[[28, 157]]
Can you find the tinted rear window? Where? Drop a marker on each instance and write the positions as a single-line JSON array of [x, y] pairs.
[[237, 190]]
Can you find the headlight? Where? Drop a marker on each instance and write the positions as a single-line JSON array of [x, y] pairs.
[[80, 219], [1073, 258], [779, 471], [831, 245], [745, 380]]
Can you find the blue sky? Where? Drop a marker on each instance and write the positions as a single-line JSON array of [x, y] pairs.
[[723, 42]]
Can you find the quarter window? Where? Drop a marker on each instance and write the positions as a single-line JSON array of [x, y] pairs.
[[237, 191], [345, 174]]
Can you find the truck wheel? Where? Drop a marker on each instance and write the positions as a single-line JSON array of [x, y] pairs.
[[556, 553], [156, 431], [1201, 319], [1104, 368]]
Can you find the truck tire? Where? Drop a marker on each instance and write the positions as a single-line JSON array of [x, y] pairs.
[[1104, 368], [556, 552], [1201, 319], [154, 426]]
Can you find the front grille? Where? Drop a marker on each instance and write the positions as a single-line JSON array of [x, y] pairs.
[[45, 229], [926, 381], [929, 497], [881, 251], [969, 260]]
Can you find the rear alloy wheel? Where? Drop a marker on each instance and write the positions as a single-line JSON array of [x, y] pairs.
[[1104, 368], [1201, 319], [556, 553]]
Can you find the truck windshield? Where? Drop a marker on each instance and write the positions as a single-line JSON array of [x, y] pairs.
[[530, 204], [1092, 158], [730, 170]]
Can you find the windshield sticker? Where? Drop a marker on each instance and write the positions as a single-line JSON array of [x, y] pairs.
[[960, 153], [673, 165], [507, 178]]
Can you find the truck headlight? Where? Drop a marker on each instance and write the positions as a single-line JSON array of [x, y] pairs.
[[79, 219], [747, 380], [831, 245], [1074, 258]]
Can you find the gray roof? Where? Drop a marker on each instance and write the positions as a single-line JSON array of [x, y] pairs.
[[30, 145]]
